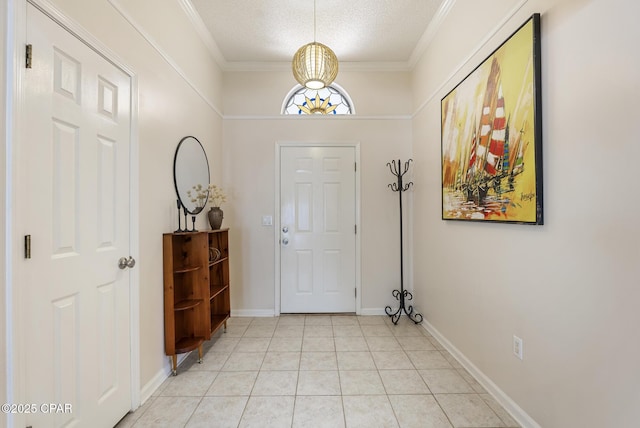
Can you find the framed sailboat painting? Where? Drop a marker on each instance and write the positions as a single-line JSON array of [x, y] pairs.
[[491, 136]]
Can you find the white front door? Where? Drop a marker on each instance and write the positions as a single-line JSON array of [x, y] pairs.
[[317, 229], [74, 178]]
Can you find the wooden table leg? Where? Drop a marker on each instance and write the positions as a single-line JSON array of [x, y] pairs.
[[174, 361], [200, 354]]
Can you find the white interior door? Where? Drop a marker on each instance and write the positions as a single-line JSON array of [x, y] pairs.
[[317, 229], [74, 174]]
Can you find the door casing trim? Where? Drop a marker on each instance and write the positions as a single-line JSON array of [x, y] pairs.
[[276, 221]]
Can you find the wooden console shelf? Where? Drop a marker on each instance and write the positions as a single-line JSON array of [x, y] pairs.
[[196, 289]]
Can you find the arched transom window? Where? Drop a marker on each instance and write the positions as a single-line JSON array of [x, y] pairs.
[[328, 100]]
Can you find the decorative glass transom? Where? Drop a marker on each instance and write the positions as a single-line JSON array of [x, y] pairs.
[[328, 100]]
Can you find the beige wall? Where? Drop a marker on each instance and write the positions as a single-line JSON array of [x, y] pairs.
[[568, 288], [255, 93], [252, 127], [172, 103]]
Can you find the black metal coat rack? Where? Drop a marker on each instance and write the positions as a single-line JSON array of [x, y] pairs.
[[401, 295]]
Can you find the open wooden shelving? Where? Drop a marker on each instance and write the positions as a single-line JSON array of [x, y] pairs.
[[196, 289], [219, 303]]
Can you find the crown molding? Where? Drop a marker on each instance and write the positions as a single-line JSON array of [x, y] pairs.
[[430, 33], [467, 60], [216, 53], [203, 33], [165, 55], [344, 66]]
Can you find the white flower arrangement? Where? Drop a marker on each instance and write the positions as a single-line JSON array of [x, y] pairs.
[[201, 198], [216, 195]]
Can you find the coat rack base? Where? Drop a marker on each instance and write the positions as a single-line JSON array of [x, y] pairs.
[[402, 296]]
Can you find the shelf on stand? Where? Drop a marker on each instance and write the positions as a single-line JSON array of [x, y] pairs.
[[186, 269], [186, 304], [196, 290], [187, 344], [217, 261], [217, 289], [217, 320]]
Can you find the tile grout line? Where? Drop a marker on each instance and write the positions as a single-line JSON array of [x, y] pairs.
[[246, 404], [195, 408], [397, 336]]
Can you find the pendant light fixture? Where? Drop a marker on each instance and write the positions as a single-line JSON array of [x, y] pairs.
[[315, 65]]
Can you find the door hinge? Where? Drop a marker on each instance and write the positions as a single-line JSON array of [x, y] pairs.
[[28, 56], [27, 246], [355, 229], [355, 166], [355, 292]]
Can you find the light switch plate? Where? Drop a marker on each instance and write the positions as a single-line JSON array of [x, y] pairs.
[[267, 220], [517, 346]]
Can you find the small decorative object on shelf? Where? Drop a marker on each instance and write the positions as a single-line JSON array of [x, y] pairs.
[[401, 295], [179, 218], [215, 215], [216, 198], [186, 224], [214, 195], [214, 254]]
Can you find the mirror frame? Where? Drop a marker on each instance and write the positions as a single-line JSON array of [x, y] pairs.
[[197, 210]]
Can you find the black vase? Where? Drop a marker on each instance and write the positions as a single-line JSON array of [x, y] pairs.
[[215, 215]]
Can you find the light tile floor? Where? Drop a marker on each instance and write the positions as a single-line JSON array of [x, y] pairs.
[[317, 371]]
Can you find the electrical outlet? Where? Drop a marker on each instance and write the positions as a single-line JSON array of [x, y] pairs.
[[517, 346]]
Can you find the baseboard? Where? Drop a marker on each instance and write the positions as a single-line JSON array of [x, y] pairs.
[[150, 387], [252, 313], [382, 311], [372, 311], [501, 397], [271, 313]]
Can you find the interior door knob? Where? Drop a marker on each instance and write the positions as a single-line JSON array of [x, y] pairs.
[[124, 262], [285, 241]]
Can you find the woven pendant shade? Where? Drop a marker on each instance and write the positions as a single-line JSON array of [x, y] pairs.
[[315, 65]]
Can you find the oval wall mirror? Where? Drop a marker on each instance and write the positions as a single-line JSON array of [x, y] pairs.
[[190, 169]]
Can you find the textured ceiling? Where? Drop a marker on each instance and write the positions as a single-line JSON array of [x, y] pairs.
[[359, 31]]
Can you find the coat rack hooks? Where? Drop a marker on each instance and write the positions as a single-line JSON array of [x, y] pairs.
[[402, 295]]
